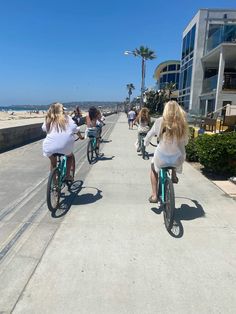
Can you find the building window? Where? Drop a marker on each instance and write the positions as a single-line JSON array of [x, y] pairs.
[[188, 44], [189, 76], [171, 67], [171, 77], [192, 39], [210, 106], [184, 48]]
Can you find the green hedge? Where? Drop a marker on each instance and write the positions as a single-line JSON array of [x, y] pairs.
[[217, 153], [191, 150]]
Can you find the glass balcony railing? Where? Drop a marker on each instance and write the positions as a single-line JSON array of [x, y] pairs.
[[209, 84], [224, 34]]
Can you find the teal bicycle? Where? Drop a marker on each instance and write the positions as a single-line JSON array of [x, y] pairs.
[[166, 196], [57, 181], [93, 144]]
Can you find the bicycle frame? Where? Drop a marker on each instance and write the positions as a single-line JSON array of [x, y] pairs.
[[62, 165], [162, 177], [94, 142]]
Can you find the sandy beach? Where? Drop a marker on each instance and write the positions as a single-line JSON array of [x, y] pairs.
[[19, 115], [10, 119]]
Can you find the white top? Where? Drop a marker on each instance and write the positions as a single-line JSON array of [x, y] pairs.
[[131, 114], [61, 142], [169, 153]]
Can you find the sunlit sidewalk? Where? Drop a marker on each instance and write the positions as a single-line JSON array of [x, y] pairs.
[[112, 253]]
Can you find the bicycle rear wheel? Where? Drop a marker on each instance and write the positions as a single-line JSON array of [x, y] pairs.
[[143, 149], [90, 151], [97, 147], [169, 204], [53, 190]]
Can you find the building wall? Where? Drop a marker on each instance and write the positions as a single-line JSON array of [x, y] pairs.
[[202, 20]]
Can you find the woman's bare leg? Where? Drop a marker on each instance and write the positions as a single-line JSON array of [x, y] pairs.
[[53, 160], [174, 176], [68, 165], [154, 184]]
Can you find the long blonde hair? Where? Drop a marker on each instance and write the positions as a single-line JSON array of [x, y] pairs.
[[174, 124], [56, 117], [144, 115]]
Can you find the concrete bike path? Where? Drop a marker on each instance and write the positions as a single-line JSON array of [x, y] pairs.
[[112, 254]]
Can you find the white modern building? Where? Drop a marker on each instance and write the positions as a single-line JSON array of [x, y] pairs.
[[208, 62]]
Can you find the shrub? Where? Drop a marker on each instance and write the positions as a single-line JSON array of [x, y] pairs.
[[217, 153], [191, 132], [191, 150]]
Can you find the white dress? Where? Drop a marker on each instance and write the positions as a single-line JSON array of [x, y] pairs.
[[168, 153], [61, 142]]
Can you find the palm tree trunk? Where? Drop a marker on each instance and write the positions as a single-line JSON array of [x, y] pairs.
[[143, 80]]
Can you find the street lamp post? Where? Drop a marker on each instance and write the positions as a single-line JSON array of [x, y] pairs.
[[128, 52]]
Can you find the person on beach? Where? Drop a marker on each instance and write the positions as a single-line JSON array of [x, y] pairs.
[[60, 129], [172, 132], [77, 115], [143, 120], [131, 117]]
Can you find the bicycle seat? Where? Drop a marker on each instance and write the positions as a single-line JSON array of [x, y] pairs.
[[58, 155], [168, 168]]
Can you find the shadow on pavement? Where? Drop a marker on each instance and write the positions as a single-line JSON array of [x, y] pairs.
[[87, 198], [106, 141], [184, 212], [104, 158]]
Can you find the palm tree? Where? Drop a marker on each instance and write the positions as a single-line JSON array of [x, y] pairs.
[[146, 54], [130, 88], [170, 88]]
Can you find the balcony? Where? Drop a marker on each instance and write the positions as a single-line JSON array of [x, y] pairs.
[[229, 82], [209, 84], [224, 34]]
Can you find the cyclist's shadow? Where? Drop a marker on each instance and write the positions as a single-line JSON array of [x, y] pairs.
[[88, 198], [184, 212]]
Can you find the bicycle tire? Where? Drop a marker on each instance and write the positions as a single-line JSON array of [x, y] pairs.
[[53, 190], [143, 150], [169, 203], [97, 147], [90, 151]]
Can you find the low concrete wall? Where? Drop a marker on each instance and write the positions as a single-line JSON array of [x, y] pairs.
[[20, 135]]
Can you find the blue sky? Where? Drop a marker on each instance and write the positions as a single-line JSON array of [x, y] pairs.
[[73, 50]]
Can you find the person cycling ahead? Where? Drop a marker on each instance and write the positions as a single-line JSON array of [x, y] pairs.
[[172, 131], [60, 129]]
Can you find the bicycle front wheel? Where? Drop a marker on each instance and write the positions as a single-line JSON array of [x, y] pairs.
[[169, 204], [53, 190], [90, 152]]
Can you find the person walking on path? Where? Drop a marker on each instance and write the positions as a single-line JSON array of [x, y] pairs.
[[131, 117], [172, 132]]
